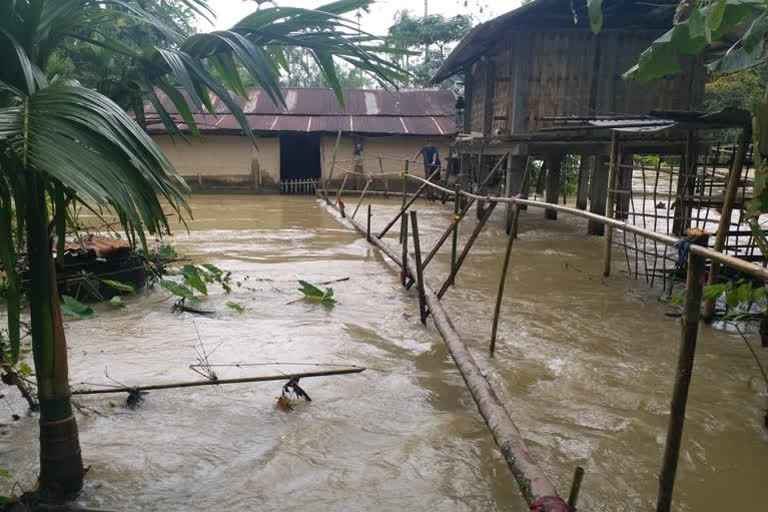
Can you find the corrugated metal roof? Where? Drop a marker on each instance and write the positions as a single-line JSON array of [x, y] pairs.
[[408, 111]]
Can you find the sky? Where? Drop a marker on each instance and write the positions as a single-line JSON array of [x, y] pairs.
[[379, 19]]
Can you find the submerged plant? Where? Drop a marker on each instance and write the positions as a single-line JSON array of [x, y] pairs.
[[313, 293]]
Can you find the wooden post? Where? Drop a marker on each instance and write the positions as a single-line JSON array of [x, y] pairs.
[[504, 268], [734, 177], [573, 497], [583, 185], [554, 163], [419, 269], [456, 219], [341, 188], [598, 190], [689, 330], [404, 237], [513, 185], [470, 242], [369, 223], [686, 183], [624, 186], [611, 199]]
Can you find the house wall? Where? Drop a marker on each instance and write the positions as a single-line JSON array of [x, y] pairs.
[[573, 72], [224, 160], [231, 161]]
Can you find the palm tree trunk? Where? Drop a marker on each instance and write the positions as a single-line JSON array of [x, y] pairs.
[[61, 465]]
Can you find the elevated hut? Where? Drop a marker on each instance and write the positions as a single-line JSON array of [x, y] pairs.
[[541, 63]]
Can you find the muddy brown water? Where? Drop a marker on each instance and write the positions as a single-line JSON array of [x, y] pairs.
[[584, 365]]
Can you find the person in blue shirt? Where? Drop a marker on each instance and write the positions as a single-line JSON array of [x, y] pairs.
[[431, 159]]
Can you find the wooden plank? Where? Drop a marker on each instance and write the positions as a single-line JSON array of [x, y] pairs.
[[598, 189], [582, 191], [554, 164]]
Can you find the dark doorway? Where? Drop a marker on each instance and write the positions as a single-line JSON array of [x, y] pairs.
[[299, 157]]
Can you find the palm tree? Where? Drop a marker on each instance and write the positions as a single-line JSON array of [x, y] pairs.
[[61, 142]]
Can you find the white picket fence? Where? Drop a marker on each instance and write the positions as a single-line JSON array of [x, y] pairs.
[[306, 186]]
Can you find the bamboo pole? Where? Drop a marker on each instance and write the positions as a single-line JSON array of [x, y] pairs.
[[504, 269], [341, 189], [610, 204], [689, 324], [408, 204], [419, 269], [725, 215], [470, 242], [454, 225], [456, 218], [532, 481], [333, 164], [362, 196], [198, 383], [573, 497], [404, 237], [369, 223]]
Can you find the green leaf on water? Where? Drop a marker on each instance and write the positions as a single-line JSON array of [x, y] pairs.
[[5, 473], [117, 301], [213, 269], [24, 369], [236, 306], [312, 292], [179, 290], [117, 285], [74, 308]]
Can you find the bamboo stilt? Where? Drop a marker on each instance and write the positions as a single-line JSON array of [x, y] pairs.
[[462, 214], [198, 383], [573, 497], [369, 223], [362, 196], [333, 164], [725, 216], [689, 324], [404, 237], [456, 218], [502, 280], [470, 242], [419, 270], [612, 171]]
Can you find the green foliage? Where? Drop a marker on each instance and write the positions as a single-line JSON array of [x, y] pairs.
[[739, 295], [595, 9], [117, 285], [424, 43], [5, 473], [313, 293], [24, 370], [74, 308], [179, 290], [193, 278], [236, 306], [117, 301]]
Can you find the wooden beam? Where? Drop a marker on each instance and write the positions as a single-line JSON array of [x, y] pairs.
[[582, 190], [598, 189], [554, 163]]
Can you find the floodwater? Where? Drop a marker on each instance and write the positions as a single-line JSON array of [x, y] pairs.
[[584, 365]]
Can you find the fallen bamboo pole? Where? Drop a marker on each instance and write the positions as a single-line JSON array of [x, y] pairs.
[[725, 216], [419, 269], [408, 204], [452, 278], [532, 481], [456, 218], [610, 203], [689, 324], [198, 383]]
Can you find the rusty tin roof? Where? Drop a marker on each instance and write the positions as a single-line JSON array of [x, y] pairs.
[[404, 112]]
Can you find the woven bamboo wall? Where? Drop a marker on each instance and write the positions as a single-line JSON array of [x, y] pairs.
[[562, 78]]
